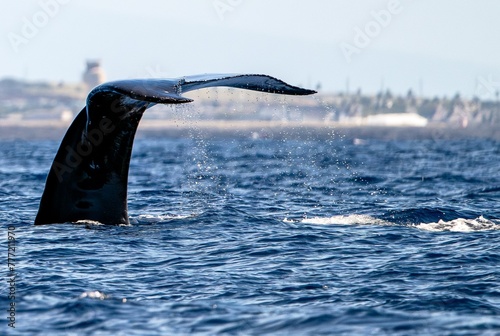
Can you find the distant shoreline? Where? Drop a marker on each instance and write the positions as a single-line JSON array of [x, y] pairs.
[[55, 130]]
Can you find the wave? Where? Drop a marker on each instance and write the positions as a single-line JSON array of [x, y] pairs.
[[454, 225]]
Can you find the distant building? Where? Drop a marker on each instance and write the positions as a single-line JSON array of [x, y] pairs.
[[94, 74]]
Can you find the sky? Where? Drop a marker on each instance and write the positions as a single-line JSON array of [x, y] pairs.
[[435, 48]]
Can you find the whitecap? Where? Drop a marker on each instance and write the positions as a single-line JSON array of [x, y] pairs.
[[359, 142], [455, 225], [343, 220], [461, 225], [94, 295], [151, 219]]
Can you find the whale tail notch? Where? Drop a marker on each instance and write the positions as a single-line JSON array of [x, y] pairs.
[[89, 175]]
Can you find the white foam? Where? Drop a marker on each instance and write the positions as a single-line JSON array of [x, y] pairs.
[[461, 225], [455, 225], [343, 220], [88, 222], [92, 223], [151, 219], [94, 295]]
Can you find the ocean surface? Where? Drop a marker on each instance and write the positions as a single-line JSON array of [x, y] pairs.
[[255, 236]]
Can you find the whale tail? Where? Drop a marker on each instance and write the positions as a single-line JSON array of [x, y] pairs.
[[89, 175]]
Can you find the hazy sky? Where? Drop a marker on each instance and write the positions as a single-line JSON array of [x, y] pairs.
[[438, 47]]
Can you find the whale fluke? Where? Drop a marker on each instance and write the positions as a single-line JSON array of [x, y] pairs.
[[88, 177]]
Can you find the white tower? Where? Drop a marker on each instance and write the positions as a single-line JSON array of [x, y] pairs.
[[94, 74]]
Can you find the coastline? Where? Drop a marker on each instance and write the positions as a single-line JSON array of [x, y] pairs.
[[55, 130]]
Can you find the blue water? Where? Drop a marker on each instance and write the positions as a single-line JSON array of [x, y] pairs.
[[266, 236]]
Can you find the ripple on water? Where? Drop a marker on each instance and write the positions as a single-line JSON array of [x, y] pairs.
[[268, 237]]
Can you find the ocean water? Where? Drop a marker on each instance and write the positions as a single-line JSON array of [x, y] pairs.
[[257, 236]]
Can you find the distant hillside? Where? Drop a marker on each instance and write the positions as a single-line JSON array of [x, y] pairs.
[[27, 100]]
